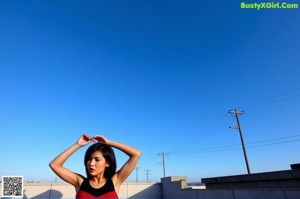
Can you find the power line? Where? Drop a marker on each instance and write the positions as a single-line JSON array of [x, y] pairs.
[[296, 140], [272, 100], [204, 135], [208, 149], [237, 146], [274, 139], [254, 105], [268, 101]]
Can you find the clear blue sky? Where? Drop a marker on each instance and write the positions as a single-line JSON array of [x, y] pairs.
[[157, 75]]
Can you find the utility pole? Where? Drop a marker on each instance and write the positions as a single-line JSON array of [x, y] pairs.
[[137, 173], [51, 187], [147, 173], [236, 114], [163, 156]]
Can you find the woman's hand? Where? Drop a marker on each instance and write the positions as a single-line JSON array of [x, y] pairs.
[[84, 140], [100, 139]]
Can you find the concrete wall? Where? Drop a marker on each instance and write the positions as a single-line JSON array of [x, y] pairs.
[[140, 190], [169, 188], [271, 185], [64, 190], [276, 179], [176, 187]]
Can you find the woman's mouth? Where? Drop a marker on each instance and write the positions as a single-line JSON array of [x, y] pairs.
[[91, 170]]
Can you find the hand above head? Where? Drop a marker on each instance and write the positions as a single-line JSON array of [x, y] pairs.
[[84, 140], [100, 139]]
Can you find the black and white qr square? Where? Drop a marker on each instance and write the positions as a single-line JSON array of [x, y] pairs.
[[12, 186]]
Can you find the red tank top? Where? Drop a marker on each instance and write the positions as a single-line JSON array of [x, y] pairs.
[[87, 191]]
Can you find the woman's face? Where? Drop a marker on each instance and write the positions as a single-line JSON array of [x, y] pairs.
[[96, 164]]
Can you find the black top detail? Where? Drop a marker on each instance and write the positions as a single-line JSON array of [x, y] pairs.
[[107, 187]]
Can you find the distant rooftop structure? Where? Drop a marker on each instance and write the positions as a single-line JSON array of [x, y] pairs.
[[275, 179]]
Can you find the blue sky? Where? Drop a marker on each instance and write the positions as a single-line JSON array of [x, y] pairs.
[[157, 75]]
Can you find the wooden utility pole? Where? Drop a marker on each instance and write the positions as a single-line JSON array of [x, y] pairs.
[[147, 173], [236, 114], [163, 156], [137, 173]]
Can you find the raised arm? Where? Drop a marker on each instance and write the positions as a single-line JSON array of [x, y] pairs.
[[57, 164], [133, 153]]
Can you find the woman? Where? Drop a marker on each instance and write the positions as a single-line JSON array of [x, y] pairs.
[[102, 179]]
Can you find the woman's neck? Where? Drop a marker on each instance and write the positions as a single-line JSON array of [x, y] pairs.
[[97, 181]]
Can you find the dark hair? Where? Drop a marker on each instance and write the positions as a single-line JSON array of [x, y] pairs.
[[108, 154]]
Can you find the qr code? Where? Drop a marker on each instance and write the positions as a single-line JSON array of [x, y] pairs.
[[12, 186]]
